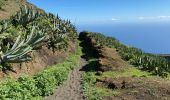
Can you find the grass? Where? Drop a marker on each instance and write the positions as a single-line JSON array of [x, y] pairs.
[[127, 72], [92, 92]]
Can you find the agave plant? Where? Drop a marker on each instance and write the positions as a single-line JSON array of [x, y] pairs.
[[20, 49], [24, 16], [57, 37], [4, 25]]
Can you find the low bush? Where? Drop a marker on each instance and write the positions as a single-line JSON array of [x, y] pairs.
[[40, 85]]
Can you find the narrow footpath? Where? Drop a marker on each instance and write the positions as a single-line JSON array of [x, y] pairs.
[[71, 88]]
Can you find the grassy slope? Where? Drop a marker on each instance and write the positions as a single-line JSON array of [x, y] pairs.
[[9, 8], [139, 84]]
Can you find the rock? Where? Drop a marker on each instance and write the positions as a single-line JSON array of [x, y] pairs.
[[112, 86], [105, 68]]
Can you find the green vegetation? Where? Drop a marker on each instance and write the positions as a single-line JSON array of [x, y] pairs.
[[30, 29], [88, 83], [149, 62], [94, 92], [42, 84], [17, 53], [127, 72]]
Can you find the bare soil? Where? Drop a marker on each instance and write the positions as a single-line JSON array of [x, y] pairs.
[[10, 7], [130, 88], [110, 60], [139, 88], [71, 89]]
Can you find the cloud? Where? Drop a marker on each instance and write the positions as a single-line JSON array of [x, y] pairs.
[[141, 18], [146, 18], [114, 19], [164, 17], [154, 18]]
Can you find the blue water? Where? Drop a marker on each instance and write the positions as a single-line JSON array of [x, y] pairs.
[[150, 37]]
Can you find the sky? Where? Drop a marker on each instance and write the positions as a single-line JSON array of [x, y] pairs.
[[108, 11]]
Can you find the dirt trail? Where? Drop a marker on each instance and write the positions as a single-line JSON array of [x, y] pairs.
[[71, 89]]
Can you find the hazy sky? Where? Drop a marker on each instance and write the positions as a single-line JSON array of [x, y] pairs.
[[108, 11]]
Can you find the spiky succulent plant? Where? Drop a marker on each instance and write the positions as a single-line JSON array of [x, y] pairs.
[[22, 46], [57, 38], [4, 25], [24, 16]]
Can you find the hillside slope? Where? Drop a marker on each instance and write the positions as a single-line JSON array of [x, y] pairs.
[[37, 51], [10, 7], [109, 77]]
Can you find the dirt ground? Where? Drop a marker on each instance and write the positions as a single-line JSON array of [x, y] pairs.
[[71, 89], [110, 60], [130, 88], [136, 88], [10, 8]]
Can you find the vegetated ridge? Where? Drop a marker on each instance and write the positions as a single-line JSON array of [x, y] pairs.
[[109, 75]]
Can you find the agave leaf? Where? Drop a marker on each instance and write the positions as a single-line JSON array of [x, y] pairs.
[[30, 36], [20, 54], [38, 41], [21, 59], [16, 42]]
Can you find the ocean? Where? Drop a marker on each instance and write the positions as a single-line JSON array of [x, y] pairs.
[[150, 37]]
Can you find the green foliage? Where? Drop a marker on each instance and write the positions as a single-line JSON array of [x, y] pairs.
[[4, 26], [126, 72], [18, 52], [28, 29], [18, 37], [23, 89], [25, 16], [45, 83], [88, 85], [28, 86], [152, 63], [59, 32], [90, 90], [42, 84]]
